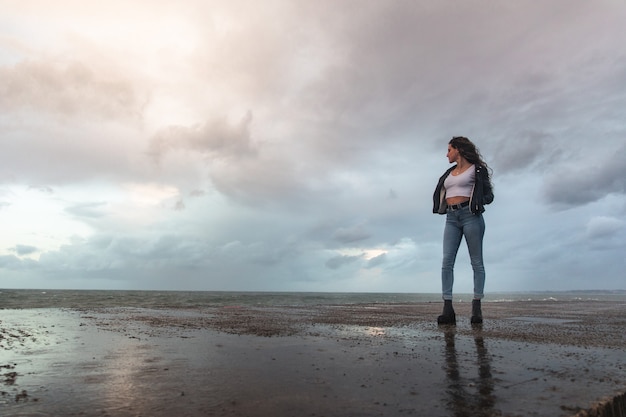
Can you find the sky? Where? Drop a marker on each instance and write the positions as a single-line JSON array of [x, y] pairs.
[[294, 145]]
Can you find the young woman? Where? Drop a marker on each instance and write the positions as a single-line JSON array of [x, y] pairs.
[[461, 194]]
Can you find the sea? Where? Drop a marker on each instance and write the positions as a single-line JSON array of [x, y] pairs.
[[31, 298]]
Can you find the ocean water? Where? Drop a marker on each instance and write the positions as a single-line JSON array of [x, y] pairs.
[[20, 299]]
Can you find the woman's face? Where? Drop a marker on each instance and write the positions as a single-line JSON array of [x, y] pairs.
[[453, 154]]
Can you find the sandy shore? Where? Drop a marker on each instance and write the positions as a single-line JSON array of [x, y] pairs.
[[528, 359]]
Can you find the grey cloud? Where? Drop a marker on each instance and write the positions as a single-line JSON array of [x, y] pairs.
[[603, 227], [261, 181], [24, 249], [377, 260], [197, 193], [257, 253], [87, 210], [49, 153], [522, 151], [190, 252], [165, 249], [339, 261], [107, 253], [100, 242], [12, 262], [586, 182], [350, 234], [179, 206], [386, 74], [67, 88], [43, 189], [216, 138]]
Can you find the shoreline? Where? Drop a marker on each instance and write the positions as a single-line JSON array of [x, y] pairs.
[[541, 358]]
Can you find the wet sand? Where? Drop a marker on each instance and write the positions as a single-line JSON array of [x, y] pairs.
[[528, 359]]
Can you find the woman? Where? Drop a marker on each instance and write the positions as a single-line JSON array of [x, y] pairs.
[[461, 194]]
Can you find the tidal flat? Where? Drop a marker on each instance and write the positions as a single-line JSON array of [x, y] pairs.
[[538, 358]]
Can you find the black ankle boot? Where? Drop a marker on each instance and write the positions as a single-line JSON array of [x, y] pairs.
[[477, 314], [448, 316]]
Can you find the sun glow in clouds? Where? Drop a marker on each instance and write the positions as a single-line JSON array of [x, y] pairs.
[[149, 194], [35, 219], [141, 204], [366, 254]]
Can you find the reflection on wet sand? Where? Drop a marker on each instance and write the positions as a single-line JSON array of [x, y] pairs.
[[469, 396], [119, 389]]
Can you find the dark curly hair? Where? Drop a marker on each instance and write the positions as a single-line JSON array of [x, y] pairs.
[[468, 150]]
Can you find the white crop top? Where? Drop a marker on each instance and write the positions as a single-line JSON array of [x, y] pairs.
[[462, 184]]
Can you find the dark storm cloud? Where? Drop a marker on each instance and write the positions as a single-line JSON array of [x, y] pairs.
[[522, 151], [584, 183]]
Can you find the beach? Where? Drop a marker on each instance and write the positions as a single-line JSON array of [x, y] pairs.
[[529, 358]]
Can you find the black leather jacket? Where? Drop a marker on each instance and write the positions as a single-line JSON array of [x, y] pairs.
[[482, 193]]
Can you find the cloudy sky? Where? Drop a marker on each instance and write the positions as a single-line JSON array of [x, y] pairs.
[[294, 145]]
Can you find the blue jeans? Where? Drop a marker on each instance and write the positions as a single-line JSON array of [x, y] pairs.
[[461, 223]]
